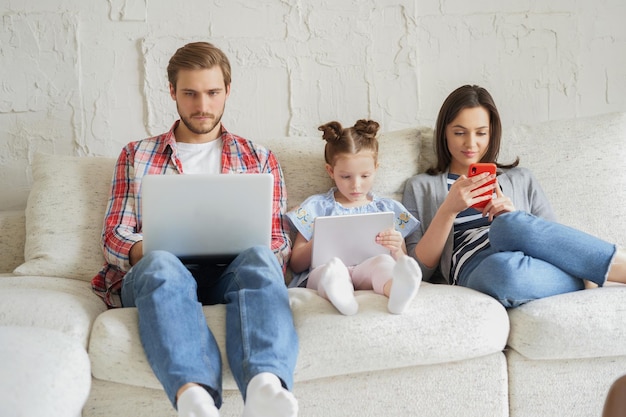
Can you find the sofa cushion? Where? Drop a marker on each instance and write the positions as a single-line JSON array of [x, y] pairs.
[[64, 216], [42, 373], [12, 225], [402, 154], [65, 305], [444, 324], [581, 324], [579, 163]]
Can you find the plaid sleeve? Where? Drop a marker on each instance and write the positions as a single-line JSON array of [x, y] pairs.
[[120, 221], [281, 244]]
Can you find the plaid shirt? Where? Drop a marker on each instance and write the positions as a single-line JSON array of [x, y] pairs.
[[158, 155]]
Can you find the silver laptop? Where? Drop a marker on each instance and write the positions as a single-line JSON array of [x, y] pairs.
[[210, 218], [351, 237]]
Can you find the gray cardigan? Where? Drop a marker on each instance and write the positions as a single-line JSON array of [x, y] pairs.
[[424, 194]]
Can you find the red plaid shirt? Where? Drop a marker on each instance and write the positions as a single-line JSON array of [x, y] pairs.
[[158, 155]]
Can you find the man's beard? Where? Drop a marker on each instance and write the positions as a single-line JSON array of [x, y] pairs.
[[188, 122]]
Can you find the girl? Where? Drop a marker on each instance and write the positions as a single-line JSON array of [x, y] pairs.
[[512, 249], [351, 161]]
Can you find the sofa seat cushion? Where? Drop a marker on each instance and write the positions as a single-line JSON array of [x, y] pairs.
[[444, 324], [61, 304], [582, 324], [42, 373]]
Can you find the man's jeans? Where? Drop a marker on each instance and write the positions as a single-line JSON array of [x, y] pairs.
[[260, 335], [533, 258]]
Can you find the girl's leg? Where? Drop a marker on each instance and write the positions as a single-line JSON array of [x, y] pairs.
[[333, 282], [576, 253], [513, 278], [399, 280]]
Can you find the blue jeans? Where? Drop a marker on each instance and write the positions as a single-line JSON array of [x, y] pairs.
[[531, 258], [260, 334]]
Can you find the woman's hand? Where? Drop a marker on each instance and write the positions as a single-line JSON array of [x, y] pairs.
[[392, 240], [498, 205], [465, 192]]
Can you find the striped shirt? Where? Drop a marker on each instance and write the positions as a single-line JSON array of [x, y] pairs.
[[471, 235], [158, 155]]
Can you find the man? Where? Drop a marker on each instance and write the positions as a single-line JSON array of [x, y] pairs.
[[261, 340]]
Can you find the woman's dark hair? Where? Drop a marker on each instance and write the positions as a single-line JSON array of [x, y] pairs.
[[351, 140], [467, 96]]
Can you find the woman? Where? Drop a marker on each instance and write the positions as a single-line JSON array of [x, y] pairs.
[[512, 249]]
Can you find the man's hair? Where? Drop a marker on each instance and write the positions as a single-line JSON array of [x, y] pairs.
[[198, 55]]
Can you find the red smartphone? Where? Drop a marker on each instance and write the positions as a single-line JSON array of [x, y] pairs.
[[477, 169]]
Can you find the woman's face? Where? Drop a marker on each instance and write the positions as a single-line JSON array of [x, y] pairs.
[[467, 137]]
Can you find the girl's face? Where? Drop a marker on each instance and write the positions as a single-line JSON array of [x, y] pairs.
[[467, 137], [353, 175]]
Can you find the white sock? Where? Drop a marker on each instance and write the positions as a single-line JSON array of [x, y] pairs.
[[407, 277], [336, 286], [266, 397], [196, 402]]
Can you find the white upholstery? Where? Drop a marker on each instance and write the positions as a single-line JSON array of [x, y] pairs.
[[64, 216], [42, 373], [11, 239], [369, 339], [68, 306], [553, 328]]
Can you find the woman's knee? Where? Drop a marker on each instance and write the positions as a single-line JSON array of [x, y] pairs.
[[494, 276]]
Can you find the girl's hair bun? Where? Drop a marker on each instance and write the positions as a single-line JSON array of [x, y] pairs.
[[332, 131]]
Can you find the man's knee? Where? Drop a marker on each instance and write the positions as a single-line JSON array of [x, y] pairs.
[[157, 268]]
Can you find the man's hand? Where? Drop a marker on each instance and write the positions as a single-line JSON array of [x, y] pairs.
[[136, 253]]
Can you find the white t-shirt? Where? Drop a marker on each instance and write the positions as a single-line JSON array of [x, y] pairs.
[[201, 158]]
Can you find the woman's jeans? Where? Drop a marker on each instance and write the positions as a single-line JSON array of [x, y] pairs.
[[533, 258], [260, 334]]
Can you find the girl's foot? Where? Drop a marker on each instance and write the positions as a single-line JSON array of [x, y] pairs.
[[406, 280], [336, 286]]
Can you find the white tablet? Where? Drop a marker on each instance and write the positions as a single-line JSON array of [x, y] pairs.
[[351, 238]]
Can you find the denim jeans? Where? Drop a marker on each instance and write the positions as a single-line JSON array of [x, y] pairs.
[[260, 334], [531, 258]]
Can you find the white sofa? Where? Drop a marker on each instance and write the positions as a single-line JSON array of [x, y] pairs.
[[455, 352]]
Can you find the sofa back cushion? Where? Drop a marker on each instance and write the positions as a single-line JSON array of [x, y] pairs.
[[402, 154], [65, 209], [579, 163], [64, 216]]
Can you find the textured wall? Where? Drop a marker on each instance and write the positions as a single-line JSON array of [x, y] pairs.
[[85, 77]]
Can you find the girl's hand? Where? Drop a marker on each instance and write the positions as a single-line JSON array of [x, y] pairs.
[[498, 205], [466, 192], [392, 240]]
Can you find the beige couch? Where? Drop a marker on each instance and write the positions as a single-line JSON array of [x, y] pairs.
[[455, 352]]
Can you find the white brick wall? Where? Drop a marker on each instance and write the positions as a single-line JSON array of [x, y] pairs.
[[85, 77]]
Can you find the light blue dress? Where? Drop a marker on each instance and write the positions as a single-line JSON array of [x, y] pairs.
[[303, 216]]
